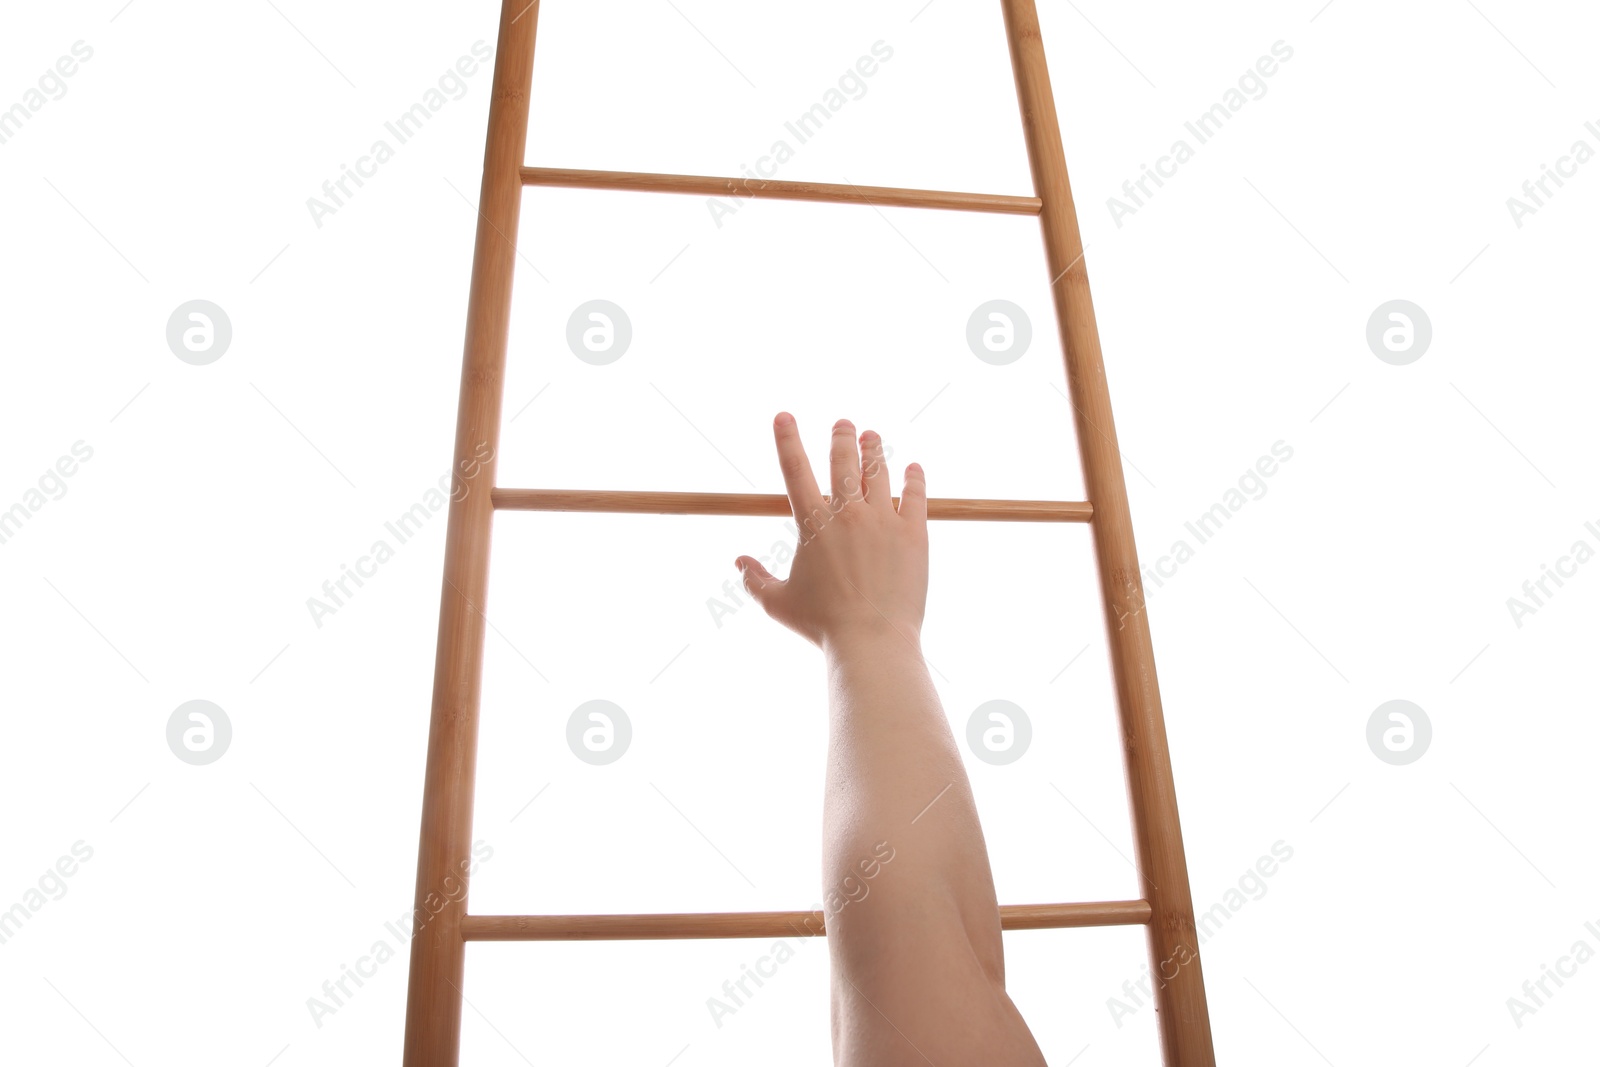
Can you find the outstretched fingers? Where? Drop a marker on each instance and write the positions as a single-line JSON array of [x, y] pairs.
[[875, 472], [914, 495], [844, 463], [798, 479]]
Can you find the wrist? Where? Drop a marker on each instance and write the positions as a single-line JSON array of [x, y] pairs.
[[874, 639]]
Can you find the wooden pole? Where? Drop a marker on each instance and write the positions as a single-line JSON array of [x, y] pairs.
[[1174, 948], [649, 502], [767, 923], [769, 189], [438, 950]]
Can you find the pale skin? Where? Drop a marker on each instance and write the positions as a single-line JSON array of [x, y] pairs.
[[918, 969]]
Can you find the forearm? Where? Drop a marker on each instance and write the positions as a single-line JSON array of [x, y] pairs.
[[895, 775], [913, 930], [889, 743]]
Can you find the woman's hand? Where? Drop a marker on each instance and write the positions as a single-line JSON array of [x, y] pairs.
[[861, 568]]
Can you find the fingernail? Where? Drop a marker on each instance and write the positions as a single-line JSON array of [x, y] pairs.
[[783, 419]]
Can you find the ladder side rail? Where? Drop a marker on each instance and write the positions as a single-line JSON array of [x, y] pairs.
[[1184, 1022], [438, 949]]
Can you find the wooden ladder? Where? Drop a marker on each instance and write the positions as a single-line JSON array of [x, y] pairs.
[[438, 951]]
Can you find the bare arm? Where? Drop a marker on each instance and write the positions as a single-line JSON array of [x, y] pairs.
[[913, 926]]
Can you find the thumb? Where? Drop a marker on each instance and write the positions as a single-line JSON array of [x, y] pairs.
[[763, 587]]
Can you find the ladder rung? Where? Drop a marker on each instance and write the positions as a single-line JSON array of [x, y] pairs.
[[740, 188], [764, 923], [654, 503]]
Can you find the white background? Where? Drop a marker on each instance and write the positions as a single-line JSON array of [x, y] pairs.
[[1233, 308]]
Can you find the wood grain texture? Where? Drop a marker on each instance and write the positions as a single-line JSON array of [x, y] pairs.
[[767, 189], [654, 503], [1181, 1011], [438, 953], [659, 927]]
